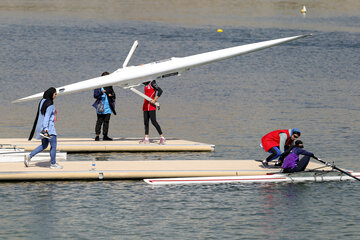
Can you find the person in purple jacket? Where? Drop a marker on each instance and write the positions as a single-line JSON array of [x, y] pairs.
[[292, 163]]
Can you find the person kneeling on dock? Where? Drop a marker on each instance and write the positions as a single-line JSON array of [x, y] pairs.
[[44, 125], [292, 163], [277, 142]]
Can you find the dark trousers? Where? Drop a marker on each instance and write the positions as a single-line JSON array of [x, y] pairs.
[[275, 153], [300, 166], [151, 115], [102, 119]]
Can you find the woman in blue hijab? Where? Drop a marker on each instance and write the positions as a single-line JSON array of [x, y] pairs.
[[44, 127]]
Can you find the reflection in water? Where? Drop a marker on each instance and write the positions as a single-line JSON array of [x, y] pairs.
[[102, 157], [136, 210]]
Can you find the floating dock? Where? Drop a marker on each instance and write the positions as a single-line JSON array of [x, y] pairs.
[[72, 145], [111, 170]]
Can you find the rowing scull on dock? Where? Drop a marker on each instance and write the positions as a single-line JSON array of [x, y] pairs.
[[314, 176], [303, 176]]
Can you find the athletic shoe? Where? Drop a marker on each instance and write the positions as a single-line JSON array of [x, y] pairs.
[[97, 138], [162, 141], [55, 166], [106, 138], [145, 141], [278, 164], [27, 160], [265, 164], [44, 134]]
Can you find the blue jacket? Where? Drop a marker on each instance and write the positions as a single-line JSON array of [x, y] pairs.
[[109, 102], [46, 122]]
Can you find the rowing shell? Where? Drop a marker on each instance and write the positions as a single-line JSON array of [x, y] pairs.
[[313, 176], [128, 77]]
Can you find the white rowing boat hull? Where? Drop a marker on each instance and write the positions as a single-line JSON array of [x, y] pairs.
[[134, 75], [18, 156], [318, 176]]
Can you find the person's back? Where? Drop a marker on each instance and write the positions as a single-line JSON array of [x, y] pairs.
[[292, 162]]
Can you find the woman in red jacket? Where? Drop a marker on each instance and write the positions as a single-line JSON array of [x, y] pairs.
[[153, 91], [276, 142]]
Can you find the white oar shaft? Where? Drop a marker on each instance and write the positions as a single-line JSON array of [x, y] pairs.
[[144, 96], [132, 50]]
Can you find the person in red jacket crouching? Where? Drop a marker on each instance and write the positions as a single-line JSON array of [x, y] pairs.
[[278, 141]]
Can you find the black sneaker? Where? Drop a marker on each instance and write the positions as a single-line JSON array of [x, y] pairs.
[[97, 138], [106, 138], [278, 164], [265, 164]]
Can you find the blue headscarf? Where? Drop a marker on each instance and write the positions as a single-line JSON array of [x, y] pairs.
[[295, 130]]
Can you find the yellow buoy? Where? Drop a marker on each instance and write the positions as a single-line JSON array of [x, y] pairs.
[[303, 10], [219, 30]]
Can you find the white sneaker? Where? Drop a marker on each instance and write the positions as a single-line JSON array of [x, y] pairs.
[[162, 141], [145, 141], [27, 160], [55, 166]]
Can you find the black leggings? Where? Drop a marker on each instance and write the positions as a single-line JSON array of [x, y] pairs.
[[275, 153], [102, 119], [151, 115]]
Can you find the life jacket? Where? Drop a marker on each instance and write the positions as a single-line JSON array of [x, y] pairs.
[[150, 92], [290, 161], [272, 139]]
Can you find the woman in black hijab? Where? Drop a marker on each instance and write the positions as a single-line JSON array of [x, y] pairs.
[[44, 127]]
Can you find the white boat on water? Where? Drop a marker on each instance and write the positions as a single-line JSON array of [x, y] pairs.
[[11, 153], [314, 176]]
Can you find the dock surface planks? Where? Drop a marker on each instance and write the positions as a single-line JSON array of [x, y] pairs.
[[118, 145], [108, 170]]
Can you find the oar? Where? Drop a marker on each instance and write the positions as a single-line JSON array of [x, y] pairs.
[[334, 167]]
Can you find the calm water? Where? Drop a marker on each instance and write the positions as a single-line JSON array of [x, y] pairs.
[[311, 84]]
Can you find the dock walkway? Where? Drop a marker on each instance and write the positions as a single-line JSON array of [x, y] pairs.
[[117, 145], [111, 170]]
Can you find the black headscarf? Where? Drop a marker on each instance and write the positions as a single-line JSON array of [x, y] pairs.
[[48, 96]]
